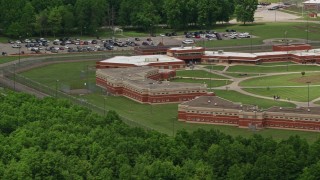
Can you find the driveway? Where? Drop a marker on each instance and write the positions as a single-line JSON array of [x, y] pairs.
[[264, 15]]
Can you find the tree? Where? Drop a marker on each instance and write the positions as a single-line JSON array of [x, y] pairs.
[[55, 20], [146, 17], [311, 173], [41, 22], [245, 10], [208, 11], [27, 19]]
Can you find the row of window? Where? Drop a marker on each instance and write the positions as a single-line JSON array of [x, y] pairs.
[[255, 116], [294, 118], [212, 120], [293, 126], [213, 113]]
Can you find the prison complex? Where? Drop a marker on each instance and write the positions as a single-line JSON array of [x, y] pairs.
[[216, 110], [299, 53], [142, 84]]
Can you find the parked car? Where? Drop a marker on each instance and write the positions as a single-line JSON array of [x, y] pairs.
[[16, 46], [137, 39], [188, 41], [54, 51], [144, 43]]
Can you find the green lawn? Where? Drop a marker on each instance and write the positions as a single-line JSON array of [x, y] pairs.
[[283, 80], [215, 67], [272, 69], [199, 74], [5, 59], [245, 99], [73, 75], [241, 75], [276, 63], [162, 118], [296, 94], [213, 83]]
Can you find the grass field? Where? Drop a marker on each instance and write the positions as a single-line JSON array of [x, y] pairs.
[[296, 94], [69, 74], [215, 67], [276, 63], [273, 69], [284, 80], [162, 118], [245, 99], [5, 59], [240, 75], [213, 83], [199, 74]]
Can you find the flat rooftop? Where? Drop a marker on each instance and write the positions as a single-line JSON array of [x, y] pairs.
[[300, 110], [186, 48], [127, 73], [137, 77], [312, 52], [142, 60], [152, 84], [216, 102]]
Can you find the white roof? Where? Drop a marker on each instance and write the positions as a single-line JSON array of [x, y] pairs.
[[185, 48], [141, 60], [312, 52], [227, 54], [312, 2]]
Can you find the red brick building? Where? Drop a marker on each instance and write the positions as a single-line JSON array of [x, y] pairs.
[[188, 54], [312, 5], [311, 56], [215, 110], [142, 85]]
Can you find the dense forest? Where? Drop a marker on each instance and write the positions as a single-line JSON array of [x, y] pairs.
[[25, 18], [53, 139]]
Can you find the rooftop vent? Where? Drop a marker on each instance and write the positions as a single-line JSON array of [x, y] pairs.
[[215, 104], [308, 110], [209, 101]]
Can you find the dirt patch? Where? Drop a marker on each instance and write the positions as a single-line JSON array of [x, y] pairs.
[[303, 80]]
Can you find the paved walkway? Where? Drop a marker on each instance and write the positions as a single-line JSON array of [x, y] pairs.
[[236, 87]]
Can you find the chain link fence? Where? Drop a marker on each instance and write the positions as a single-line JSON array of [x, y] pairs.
[[10, 71]]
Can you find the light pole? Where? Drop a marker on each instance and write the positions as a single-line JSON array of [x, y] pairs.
[[173, 126], [14, 76], [251, 41], [19, 53], [308, 93], [307, 28], [104, 106], [57, 88]]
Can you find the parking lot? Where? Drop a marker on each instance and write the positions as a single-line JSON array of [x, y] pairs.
[[75, 45]]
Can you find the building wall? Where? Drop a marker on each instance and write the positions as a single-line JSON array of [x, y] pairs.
[[249, 119], [148, 94]]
